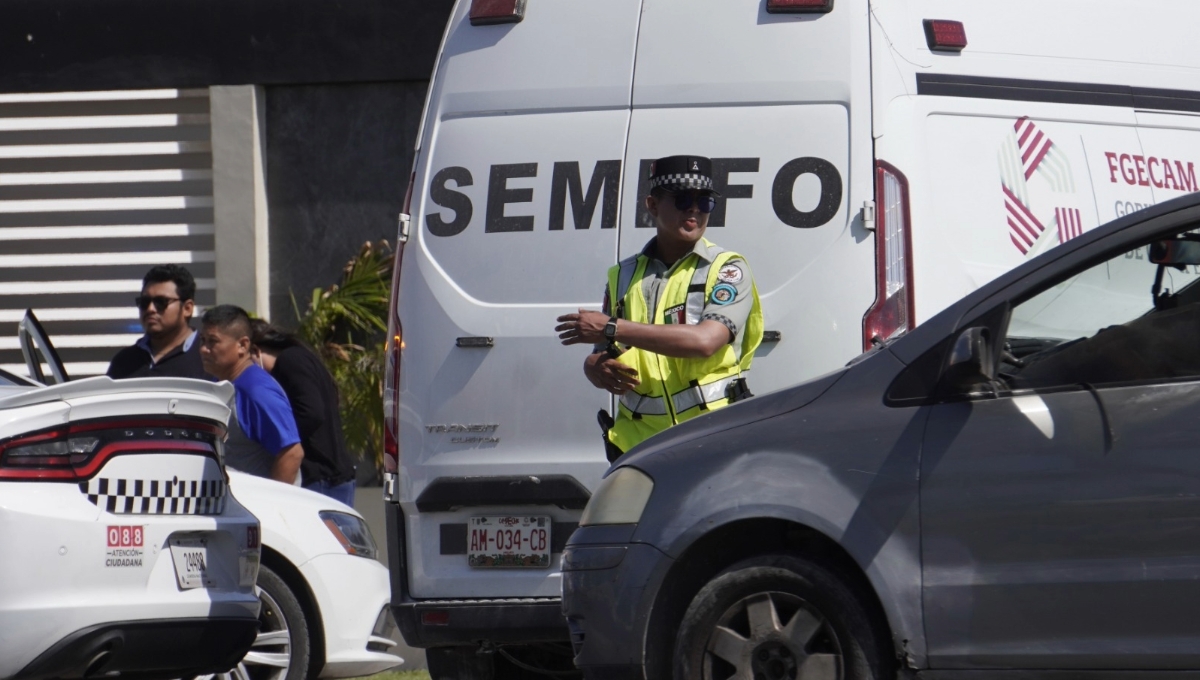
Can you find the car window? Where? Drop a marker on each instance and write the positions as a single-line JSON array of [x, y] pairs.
[[1110, 323], [11, 380]]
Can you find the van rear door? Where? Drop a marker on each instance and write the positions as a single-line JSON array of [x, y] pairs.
[[515, 222], [781, 103]]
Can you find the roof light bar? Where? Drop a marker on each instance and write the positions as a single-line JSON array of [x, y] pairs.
[[799, 6], [945, 36], [487, 12]]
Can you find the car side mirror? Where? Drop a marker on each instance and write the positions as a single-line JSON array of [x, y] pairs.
[[970, 362]]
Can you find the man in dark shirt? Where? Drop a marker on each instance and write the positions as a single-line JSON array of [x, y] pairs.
[[328, 468], [169, 349]]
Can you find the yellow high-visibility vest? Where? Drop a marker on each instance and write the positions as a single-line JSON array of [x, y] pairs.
[[672, 390]]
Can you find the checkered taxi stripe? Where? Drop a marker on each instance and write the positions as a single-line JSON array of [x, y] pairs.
[[155, 497]]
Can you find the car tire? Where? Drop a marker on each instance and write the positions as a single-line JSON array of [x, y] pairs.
[[282, 648], [779, 616]]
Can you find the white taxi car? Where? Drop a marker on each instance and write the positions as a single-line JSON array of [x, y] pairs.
[[125, 553], [324, 595]]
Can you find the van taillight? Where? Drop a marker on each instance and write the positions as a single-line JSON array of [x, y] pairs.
[[485, 12], [76, 452], [393, 351], [892, 314], [799, 6], [391, 401]]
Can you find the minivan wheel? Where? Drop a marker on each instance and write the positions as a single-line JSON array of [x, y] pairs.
[[778, 617]]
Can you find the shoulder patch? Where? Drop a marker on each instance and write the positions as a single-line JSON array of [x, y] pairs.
[[730, 273], [723, 294]]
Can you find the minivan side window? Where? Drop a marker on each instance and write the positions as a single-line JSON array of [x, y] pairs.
[[1111, 323]]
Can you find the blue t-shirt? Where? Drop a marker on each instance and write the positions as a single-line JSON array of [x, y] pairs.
[[263, 411]]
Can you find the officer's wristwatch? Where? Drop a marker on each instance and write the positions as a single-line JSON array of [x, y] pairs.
[[610, 329]]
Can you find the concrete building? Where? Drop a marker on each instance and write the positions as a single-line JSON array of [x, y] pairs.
[[258, 142]]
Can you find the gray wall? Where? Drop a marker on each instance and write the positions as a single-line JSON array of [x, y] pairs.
[[338, 161], [65, 45]]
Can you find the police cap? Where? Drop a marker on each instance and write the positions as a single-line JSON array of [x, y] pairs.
[[682, 173]]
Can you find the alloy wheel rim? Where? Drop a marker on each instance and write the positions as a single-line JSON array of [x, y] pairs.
[[772, 636], [270, 657]]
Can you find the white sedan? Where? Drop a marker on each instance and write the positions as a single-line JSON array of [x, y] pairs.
[[325, 596]]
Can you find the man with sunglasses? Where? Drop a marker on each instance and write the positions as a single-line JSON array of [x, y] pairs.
[[680, 320], [169, 348]]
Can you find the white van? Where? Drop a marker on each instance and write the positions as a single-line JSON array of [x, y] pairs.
[[878, 158]]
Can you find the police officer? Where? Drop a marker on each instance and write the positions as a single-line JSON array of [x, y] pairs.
[[680, 321]]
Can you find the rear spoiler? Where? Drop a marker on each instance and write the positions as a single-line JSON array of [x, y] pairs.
[[100, 385]]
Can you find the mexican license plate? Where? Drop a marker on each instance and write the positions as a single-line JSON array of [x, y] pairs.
[[508, 541], [191, 562]]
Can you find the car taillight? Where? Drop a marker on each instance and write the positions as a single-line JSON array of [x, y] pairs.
[[892, 314], [76, 452]]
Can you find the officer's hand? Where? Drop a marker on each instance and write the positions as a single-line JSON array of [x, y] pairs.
[[583, 327], [609, 374]]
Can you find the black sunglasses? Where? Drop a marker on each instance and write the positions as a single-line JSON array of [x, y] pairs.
[[160, 302], [705, 203]]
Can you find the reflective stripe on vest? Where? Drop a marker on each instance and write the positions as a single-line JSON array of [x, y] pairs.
[[697, 395], [643, 405]]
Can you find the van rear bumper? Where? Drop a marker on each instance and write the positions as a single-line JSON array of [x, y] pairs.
[[429, 623]]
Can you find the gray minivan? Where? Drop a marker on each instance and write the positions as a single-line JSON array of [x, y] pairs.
[[1010, 489]]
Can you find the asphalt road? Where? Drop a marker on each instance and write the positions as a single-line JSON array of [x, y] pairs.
[[368, 500]]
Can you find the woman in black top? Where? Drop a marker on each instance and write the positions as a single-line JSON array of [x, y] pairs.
[[327, 467]]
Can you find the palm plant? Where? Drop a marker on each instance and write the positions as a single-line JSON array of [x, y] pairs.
[[346, 324]]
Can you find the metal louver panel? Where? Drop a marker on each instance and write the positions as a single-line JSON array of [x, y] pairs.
[[95, 188]]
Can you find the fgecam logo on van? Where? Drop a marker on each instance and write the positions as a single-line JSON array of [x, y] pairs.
[[1161, 173], [1145, 170], [602, 193], [1039, 190]]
